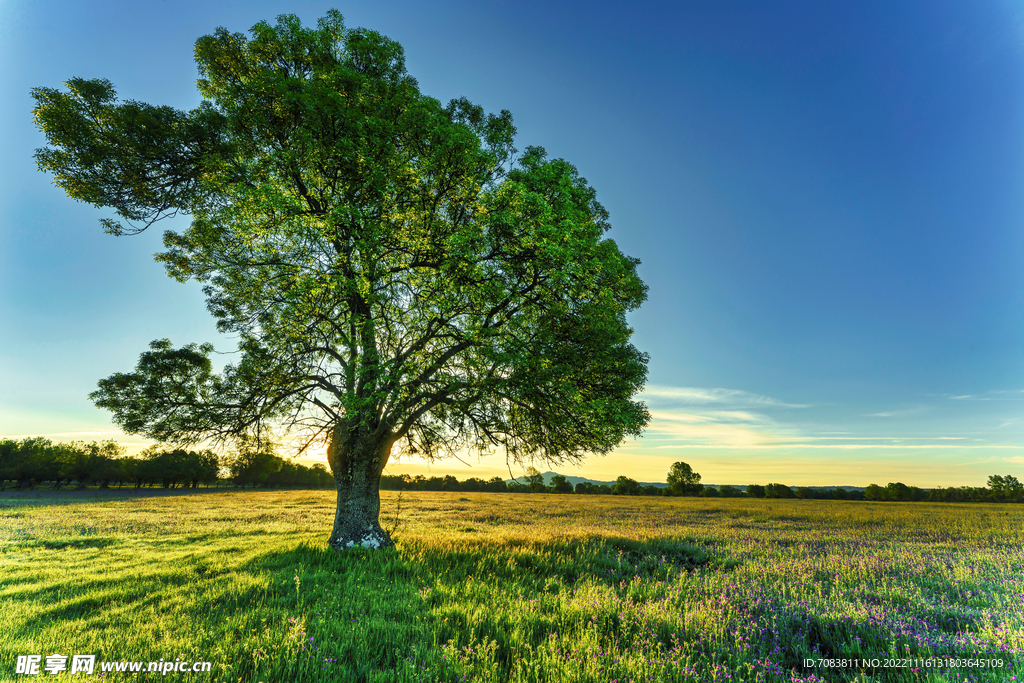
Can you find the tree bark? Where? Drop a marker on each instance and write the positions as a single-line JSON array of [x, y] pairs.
[[357, 459]]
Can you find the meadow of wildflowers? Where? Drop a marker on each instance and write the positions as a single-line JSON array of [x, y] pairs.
[[497, 587]]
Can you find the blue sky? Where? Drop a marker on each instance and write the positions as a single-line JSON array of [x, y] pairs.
[[827, 202]]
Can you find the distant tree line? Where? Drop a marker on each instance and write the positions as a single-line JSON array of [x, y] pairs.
[[622, 486], [1000, 489], [533, 482], [36, 461], [683, 481], [802, 492], [403, 482]]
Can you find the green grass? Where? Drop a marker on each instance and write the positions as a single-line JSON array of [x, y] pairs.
[[503, 587]]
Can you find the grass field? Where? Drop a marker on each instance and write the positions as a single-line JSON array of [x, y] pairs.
[[505, 587]]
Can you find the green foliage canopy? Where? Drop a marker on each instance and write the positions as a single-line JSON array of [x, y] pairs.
[[389, 264]]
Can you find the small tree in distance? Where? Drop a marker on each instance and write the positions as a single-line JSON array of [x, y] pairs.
[[1006, 488], [253, 462], [625, 486], [683, 481], [755, 491], [777, 491], [535, 480], [559, 484]]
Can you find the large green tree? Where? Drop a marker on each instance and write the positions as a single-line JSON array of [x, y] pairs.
[[399, 277]]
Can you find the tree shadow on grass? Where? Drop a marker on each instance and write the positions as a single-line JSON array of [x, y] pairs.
[[62, 543], [523, 561], [534, 563]]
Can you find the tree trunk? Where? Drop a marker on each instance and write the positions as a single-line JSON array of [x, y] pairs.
[[357, 459]]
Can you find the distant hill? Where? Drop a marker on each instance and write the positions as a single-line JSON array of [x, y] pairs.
[[576, 480]]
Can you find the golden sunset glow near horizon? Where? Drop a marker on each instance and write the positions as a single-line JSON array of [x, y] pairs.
[[729, 437]]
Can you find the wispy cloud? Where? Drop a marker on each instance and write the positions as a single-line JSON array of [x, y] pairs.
[[731, 429], [915, 411], [716, 396], [891, 439], [994, 395], [844, 446], [697, 418]]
